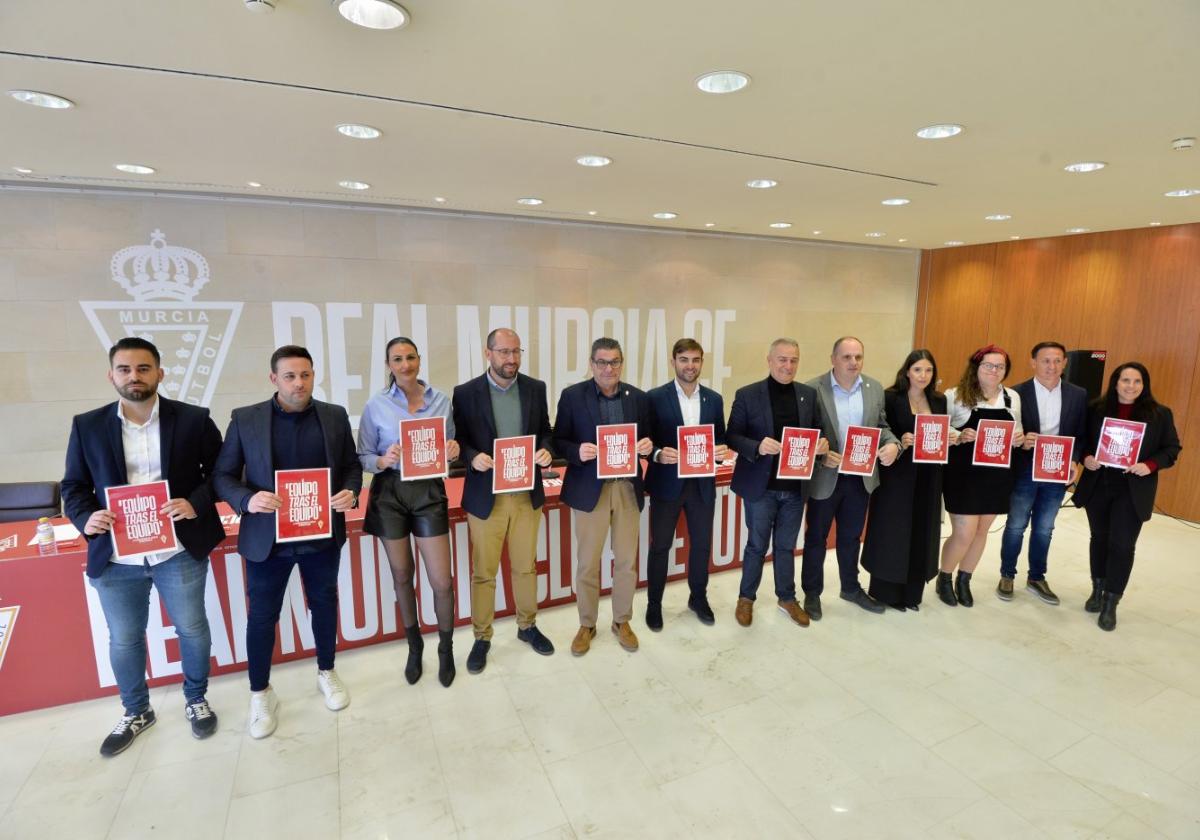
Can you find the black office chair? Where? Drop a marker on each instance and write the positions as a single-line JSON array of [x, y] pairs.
[[29, 500]]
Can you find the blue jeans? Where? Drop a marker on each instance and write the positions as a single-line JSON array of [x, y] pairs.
[[124, 592], [1036, 501], [774, 518]]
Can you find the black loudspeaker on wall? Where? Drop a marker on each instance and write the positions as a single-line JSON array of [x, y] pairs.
[[1085, 368]]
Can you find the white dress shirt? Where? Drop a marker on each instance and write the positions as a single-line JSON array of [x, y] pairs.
[[689, 406], [960, 414], [1049, 405], [143, 463]]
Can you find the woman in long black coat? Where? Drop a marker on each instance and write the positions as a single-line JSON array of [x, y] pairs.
[[904, 525]]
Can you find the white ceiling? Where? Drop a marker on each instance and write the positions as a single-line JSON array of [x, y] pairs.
[[485, 101]]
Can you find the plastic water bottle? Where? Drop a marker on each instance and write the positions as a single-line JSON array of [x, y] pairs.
[[45, 537]]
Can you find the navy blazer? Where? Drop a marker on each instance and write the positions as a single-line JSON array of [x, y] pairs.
[[475, 431], [189, 443], [575, 423], [751, 420], [662, 480], [1072, 421], [245, 466]]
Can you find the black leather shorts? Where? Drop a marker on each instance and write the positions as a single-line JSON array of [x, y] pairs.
[[396, 509]]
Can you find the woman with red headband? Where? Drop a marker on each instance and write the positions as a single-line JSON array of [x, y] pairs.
[[974, 495]]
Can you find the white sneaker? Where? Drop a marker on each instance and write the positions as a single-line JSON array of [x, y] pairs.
[[337, 697], [262, 721]]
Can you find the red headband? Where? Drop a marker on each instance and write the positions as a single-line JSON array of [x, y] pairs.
[[983, 351]]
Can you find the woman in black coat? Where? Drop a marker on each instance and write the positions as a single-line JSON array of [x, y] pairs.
[[1119, 501], [904, 525]]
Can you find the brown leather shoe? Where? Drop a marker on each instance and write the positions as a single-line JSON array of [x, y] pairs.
[[744, 613], [583, 641], [625, 637], [792, 610]]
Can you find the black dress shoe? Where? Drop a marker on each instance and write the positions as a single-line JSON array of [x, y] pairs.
[[812, 606], [864, 600], [702, 610], [654, 617], [477, 658], [534, 638], [898, 607]]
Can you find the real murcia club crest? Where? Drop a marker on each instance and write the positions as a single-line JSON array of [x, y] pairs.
[[8, 620], [193, 338]]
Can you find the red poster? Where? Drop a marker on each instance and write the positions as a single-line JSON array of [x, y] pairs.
[[140, 528], [931, 439], [1052, 459], [1120, 442], [859, 450], [306, 513], [798, 456], [993, 443], [617, 455], [423, 448], [697, 448], [513, 469]]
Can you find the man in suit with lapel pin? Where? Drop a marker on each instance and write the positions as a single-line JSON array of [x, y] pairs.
[[602, 505], [502, 403], [682, 402], [774, 506], [289, 431], [143, 438], [1049, 406], [847, 399]]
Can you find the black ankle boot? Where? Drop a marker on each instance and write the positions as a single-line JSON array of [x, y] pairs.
[[1093, 603], [945, 589], [416, 646], [446, 657], [1108, 611], [962, 589]]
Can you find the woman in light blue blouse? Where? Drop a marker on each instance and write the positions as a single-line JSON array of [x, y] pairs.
[[398, 510]]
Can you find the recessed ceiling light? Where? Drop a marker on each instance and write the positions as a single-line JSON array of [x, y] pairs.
[[722, 81], [901, 240], [666, 214], [1085, 166], [710, 224], [254, 184], [1185, 193], [373, 14], [781, 225], [1152, 224], [359, 131], [998, 217], [876, 234], [593, 212], [593, 160], [1077, 230], [23, 171], [816, 233], [895, 202], [1014, 237], [134, 168], [439, 199], [354, 185], [41, 100], [939, 131], [953, 242], [761, 183], [529, 202]]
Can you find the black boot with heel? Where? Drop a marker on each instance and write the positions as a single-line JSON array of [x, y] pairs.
[[945, 589], [416, 647], [962, 589]]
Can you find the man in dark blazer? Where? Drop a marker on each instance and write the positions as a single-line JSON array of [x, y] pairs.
[[682, 402], [289, 431], [141, 438], [774, 506], [502, 403], [1050, 406], [602, 505], [848, 398]]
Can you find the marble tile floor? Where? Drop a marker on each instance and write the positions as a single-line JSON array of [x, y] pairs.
[[1006, 720]]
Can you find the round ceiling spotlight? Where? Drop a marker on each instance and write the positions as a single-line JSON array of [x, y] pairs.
[[998, 217], [354, 185], [781, 225], [134, 168], [953, 242], [359, 131], [254, 184], [1186, 193], [440, 199], [21, 170], [593, 212], [940, 131], [530, 202], [593, 160], [1078, 230], [1085, 166], [761, 183], [666, 215], [876, 234], [895, 202], [41, 100], [373, 14], [722, 81]]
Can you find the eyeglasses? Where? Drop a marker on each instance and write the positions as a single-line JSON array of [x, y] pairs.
[[991, 366], [508, 354], [611, 364]]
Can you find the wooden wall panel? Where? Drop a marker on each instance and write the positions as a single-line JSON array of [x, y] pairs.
[[1134, 293]]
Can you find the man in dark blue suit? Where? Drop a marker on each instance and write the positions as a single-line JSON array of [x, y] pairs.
[[139, 439], [682, 402], [1049, 406], [289, 431], [502, 403], [774, 506], [602, 504]]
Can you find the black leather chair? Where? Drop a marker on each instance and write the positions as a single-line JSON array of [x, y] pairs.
[[29, 500]]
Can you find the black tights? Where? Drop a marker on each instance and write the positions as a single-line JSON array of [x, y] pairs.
[[435, 556]]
